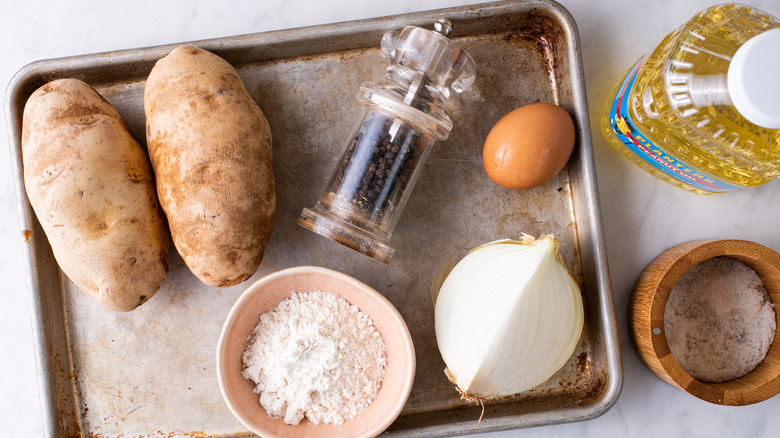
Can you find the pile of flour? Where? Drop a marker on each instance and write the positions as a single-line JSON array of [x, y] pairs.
[[315, 355]]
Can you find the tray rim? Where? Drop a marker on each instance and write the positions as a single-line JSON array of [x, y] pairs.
[[590, 199]]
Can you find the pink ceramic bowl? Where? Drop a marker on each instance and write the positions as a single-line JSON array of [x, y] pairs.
[[263, 296]]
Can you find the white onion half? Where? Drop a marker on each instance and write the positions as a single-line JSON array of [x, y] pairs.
[[508, 316]]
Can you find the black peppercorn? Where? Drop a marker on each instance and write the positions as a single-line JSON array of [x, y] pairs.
[[377, 167]]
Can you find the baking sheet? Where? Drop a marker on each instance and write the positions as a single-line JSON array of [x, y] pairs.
[[151, 372]]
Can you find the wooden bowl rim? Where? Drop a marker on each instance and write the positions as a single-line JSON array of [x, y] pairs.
[[741, 391]]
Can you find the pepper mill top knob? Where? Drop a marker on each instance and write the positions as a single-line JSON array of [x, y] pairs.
[[443, 26]]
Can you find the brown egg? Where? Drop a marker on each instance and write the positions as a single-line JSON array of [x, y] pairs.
[[529, 146]]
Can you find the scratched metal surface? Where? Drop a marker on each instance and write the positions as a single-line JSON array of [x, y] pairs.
[[151, 372]]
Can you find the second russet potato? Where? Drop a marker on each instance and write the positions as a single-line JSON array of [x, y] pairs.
[[210, 147], [529, 146]]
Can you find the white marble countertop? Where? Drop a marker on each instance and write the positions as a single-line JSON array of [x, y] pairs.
[[642, 216]]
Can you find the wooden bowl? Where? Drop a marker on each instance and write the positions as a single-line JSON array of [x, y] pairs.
[[646, 320], [263, 296]]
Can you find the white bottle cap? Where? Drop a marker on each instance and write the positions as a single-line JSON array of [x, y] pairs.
[[754, 79]]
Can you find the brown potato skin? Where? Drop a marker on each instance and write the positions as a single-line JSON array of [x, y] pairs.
[[92, 187], [210, 147]]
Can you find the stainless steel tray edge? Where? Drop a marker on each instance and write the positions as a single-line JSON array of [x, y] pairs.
[[598, 275], [47, 323]]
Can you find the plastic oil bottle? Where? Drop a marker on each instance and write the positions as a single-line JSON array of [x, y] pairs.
[[702, 111]]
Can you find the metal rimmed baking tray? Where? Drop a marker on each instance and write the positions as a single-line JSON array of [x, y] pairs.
[[151, 372]]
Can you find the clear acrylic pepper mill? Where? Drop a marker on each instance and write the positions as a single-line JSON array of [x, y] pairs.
[[403, 116]]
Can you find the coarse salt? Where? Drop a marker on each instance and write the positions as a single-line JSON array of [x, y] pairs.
[[719, 320], [315, 355]]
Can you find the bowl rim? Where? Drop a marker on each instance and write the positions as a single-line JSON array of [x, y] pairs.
[[397, 319], [647, 313]]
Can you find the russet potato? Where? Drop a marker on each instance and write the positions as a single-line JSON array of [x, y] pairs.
[[92, 188], [210, 147]]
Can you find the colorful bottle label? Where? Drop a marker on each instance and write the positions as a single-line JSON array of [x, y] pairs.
[[626, 131]]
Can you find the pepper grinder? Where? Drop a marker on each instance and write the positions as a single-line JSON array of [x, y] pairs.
[[402, 117]]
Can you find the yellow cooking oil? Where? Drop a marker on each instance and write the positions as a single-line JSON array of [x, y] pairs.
[[673, 116]]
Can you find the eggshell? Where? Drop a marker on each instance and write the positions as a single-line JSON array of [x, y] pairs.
[[529, 146]]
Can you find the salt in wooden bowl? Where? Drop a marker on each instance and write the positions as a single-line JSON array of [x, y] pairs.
[[646, 320], [263, 296]]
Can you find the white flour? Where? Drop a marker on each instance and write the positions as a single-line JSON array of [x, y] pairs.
[[315, 355]]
